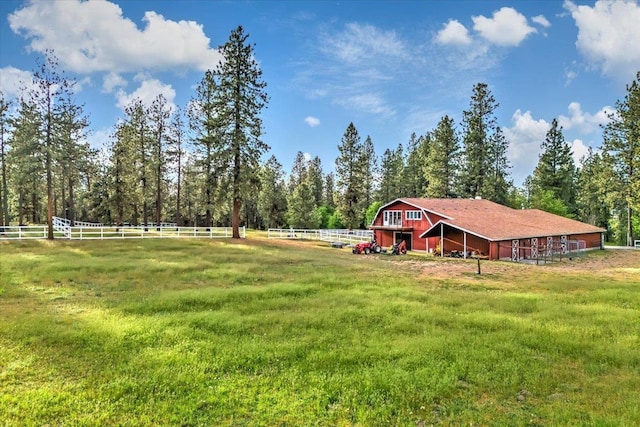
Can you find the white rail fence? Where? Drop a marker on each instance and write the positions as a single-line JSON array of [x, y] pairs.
[[343, 236], [92, 231]]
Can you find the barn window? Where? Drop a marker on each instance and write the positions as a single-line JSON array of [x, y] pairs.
[[413, 215], [392, 218]]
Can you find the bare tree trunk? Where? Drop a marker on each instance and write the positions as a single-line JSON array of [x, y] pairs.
[[72, 204]]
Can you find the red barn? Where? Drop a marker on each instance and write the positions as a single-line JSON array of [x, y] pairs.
[[481, 227]]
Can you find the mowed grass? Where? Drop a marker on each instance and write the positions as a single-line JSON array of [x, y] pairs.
[[269, 333]]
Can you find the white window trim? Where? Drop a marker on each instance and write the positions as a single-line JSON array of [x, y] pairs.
[[416, 217], [389, 215]]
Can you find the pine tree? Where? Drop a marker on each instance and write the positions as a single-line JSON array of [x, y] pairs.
[[496, 185], [25, 160], [4, 149], [329, 188], [555, 169], [621, 152], [209, 146], [240, 98], [176, 141], [315, 179], [441, 166], [591, 194], [302, 208], [159, 114], [139, 130], [298, 172], [272, 201], [370, 170], [74, 155], [479, 124], [49, 89], [350, 178], [124, 178], [392, 184], [415, 181]]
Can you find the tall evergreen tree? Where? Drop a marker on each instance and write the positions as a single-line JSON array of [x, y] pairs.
[[123, 175], [350, 178], [74, 154], [415, 180], [441, 166], [159, 115], [209, 146], [315, 178], [240, 98], [329, 189], [370, 170], [392, 182], [176, 152], [272, 201], [4, 149], [48, 90], [592, 191], [621, 152], [555, 170], [298, 171], [25, 160], [496, 185], [139, 131], [478, 124]]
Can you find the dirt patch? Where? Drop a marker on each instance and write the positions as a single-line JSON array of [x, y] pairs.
[[602, 262]]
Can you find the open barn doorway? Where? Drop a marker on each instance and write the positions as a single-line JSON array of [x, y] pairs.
[[399, 236]]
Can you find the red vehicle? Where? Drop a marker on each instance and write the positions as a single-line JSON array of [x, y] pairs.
[[367, 248]]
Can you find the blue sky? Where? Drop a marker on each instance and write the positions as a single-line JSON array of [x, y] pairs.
[[390, 67]]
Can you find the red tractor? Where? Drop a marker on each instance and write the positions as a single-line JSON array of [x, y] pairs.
[[367, 248]]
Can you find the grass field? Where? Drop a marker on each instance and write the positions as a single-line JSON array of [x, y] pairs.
[[269, 333]]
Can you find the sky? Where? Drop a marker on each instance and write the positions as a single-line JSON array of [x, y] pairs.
[[391, 67]]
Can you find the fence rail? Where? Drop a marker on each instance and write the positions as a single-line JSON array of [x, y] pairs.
[[344, 236], [102, 232]]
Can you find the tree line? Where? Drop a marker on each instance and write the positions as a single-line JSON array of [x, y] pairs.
[[204, 164]]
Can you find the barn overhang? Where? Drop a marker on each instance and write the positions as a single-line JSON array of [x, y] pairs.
[[437, 229], [389, 228]]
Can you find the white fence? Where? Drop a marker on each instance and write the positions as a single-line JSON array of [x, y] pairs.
[[344, 236], [92, 231], [636, 244]]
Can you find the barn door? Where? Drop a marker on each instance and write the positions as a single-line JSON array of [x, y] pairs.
[[407, 237]]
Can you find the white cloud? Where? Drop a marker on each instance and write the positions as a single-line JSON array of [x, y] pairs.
[[148, 90], [579, 150], [570, 75], [541, 20], [525, 137], [13, 79], [508, 27], [90, 36], [584, 122], [370, 103], [307, 156], [609, 36], [112, 81], [453, 33], [312, 121], [99, 139], [361, 41]]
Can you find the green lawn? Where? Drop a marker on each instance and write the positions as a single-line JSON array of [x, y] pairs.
[[269, 333]]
